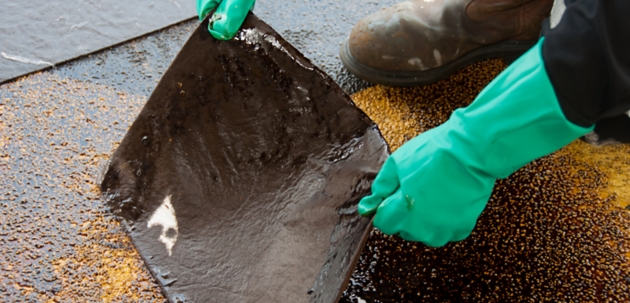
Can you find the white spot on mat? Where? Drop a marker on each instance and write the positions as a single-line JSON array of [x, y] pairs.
[[416, 61], [429, 1], [437, 56], [25, 60], [165, 216]]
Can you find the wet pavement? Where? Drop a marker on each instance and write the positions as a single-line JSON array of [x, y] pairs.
[[57, 129], [57, 240]]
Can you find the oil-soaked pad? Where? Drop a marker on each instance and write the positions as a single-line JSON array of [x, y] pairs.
[[239, 179]]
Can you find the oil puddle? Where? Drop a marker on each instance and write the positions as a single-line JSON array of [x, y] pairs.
[[556, 230]]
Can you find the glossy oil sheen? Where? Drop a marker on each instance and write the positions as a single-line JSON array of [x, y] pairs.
[[263, 159]]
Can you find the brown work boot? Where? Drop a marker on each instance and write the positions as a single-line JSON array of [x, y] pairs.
[[422, 41]]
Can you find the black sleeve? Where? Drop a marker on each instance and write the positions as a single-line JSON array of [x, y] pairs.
[[610, 131], [587, 57]]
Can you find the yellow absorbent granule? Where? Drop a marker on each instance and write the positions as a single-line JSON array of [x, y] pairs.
[[555, 231]]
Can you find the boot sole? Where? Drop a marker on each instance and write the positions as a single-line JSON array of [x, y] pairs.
[[508, 50]]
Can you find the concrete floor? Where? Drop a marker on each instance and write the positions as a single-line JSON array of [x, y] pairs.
[[57, 128]]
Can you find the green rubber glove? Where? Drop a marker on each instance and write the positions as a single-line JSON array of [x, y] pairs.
[[228, 17], [435, 186]]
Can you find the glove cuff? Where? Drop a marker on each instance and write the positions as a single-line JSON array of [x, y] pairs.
[[514, 120]]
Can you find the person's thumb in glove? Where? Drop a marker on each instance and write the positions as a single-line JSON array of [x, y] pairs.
[[228, 17]]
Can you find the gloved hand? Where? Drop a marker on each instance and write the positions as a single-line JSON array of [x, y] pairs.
[[228, 17], [435, 186]]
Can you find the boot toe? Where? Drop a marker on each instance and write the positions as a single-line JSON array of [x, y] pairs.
[[377, 42], [421, 41]]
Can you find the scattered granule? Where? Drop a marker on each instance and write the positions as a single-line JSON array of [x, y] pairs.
[[57, 241], [403, 113], [613, 161], [394, 120], [554, 231], [108, 269]]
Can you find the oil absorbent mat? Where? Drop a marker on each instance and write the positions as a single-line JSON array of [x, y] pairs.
[[37, 34], [239, 179]]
